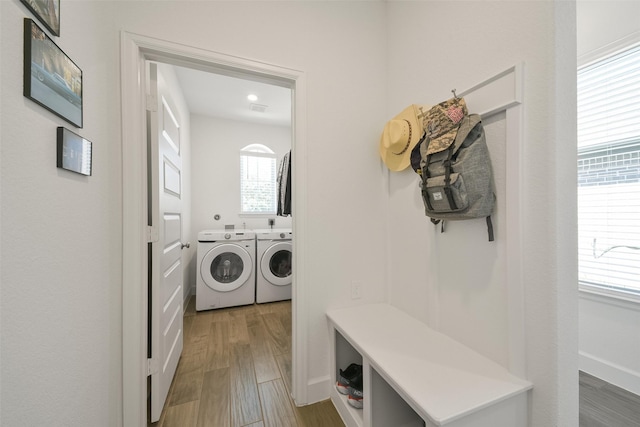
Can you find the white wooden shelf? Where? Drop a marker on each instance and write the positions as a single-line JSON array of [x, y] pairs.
[[416, 376]]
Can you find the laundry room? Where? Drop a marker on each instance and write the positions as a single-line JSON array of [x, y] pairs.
[[234, 124]]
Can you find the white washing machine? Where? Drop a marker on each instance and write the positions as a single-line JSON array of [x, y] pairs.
[[226, 274], [273, 260]]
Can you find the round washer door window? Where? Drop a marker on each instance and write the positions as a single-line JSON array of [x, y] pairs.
[[276, 264], [226, 267]]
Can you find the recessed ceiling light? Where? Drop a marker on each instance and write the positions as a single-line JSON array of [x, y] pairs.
[[252, 98]]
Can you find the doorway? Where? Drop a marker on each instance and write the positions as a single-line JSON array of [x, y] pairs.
[[136, 50]]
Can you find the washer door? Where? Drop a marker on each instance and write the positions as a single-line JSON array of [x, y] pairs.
[[226, 267], [276, 264]]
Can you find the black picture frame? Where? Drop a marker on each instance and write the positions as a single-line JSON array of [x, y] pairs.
[[75, 153], [51, 78], [47, 12]]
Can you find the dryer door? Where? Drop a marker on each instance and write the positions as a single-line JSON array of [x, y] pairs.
[[226, 267], [276, 263]]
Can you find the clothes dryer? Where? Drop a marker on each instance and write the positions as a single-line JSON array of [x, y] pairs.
[[273, 258], [226, 274]]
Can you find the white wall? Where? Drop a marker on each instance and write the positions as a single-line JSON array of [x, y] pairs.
[[61, 340], [363, 61], [464, 290], [603, 22], [216, 168], [609, 338]]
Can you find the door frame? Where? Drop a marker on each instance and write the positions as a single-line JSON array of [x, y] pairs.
[[135, 50]]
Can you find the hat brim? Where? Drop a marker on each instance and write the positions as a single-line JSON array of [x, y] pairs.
[[394, 161]]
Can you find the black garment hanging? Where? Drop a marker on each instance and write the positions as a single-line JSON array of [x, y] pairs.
[[284, 186]]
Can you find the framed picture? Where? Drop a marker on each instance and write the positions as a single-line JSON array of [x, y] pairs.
[[74, 152], [48, 12], [50, 78]]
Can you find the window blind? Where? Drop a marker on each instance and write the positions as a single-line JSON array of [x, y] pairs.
[[609, 172], [258, 183]]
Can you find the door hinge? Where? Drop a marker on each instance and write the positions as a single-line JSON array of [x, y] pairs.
[[152, 366], [152, 103], [152, 234]]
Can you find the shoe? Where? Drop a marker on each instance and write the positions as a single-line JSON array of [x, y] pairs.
[[347, 376], [355, 393]]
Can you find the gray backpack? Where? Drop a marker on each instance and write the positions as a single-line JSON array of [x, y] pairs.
[[456, 174]]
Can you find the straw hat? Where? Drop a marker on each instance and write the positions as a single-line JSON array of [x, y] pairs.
[[400, 135]]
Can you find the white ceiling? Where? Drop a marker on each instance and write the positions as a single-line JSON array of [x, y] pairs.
[[217, 95]]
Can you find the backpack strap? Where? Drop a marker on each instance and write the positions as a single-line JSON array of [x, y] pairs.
[[466, 126], [490, 228], [447, 178], [425, 176]]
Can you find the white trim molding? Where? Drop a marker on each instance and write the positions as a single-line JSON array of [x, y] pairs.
[[135, 51], [609, 49], [602, 364], [611, 372], [500, 93]]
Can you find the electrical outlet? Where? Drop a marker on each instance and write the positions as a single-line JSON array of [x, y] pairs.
[[356, 289]]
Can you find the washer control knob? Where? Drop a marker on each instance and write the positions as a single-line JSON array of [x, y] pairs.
[[227, 236], [282, 235]]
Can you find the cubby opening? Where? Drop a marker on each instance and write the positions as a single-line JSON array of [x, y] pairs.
[[388, 408], [346, 354]]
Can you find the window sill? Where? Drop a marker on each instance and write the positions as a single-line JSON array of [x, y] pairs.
[[612, 295], [257, 215]]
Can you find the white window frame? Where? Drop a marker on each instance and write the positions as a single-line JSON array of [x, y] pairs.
[[258, 151], [584, 61]]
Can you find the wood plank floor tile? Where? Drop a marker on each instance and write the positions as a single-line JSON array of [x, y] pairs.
[[242, 310], [184, 415], [274, 307], [187, 383], [238, 331], [245, 401], [321, 414], [201, 324], [228, 353], [276, 406], [279, 339], [213, 408], [284, 364], [264, 363], [603, 404], [218, 346]]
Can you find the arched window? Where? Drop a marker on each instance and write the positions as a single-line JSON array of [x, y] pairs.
[[257, 180]]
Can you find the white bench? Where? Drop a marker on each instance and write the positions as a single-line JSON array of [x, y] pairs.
[[415, 376]]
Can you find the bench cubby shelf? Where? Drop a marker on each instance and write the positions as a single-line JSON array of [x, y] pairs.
[[415, 376]]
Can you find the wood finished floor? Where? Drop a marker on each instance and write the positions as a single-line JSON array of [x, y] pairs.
[[235, 371], [605, 405]]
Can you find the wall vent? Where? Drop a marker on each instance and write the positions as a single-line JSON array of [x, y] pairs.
[[259, 108]]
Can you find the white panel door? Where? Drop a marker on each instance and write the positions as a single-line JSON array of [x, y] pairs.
[[165, 166]]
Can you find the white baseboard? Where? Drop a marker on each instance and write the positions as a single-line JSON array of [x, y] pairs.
[[318, 389], [185, 302], [620, 376]]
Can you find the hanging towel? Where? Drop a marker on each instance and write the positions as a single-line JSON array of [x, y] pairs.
[[284, 186]]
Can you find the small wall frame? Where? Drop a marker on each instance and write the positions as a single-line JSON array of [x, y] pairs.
[[51, 78], [74, 152], [47, 12]]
